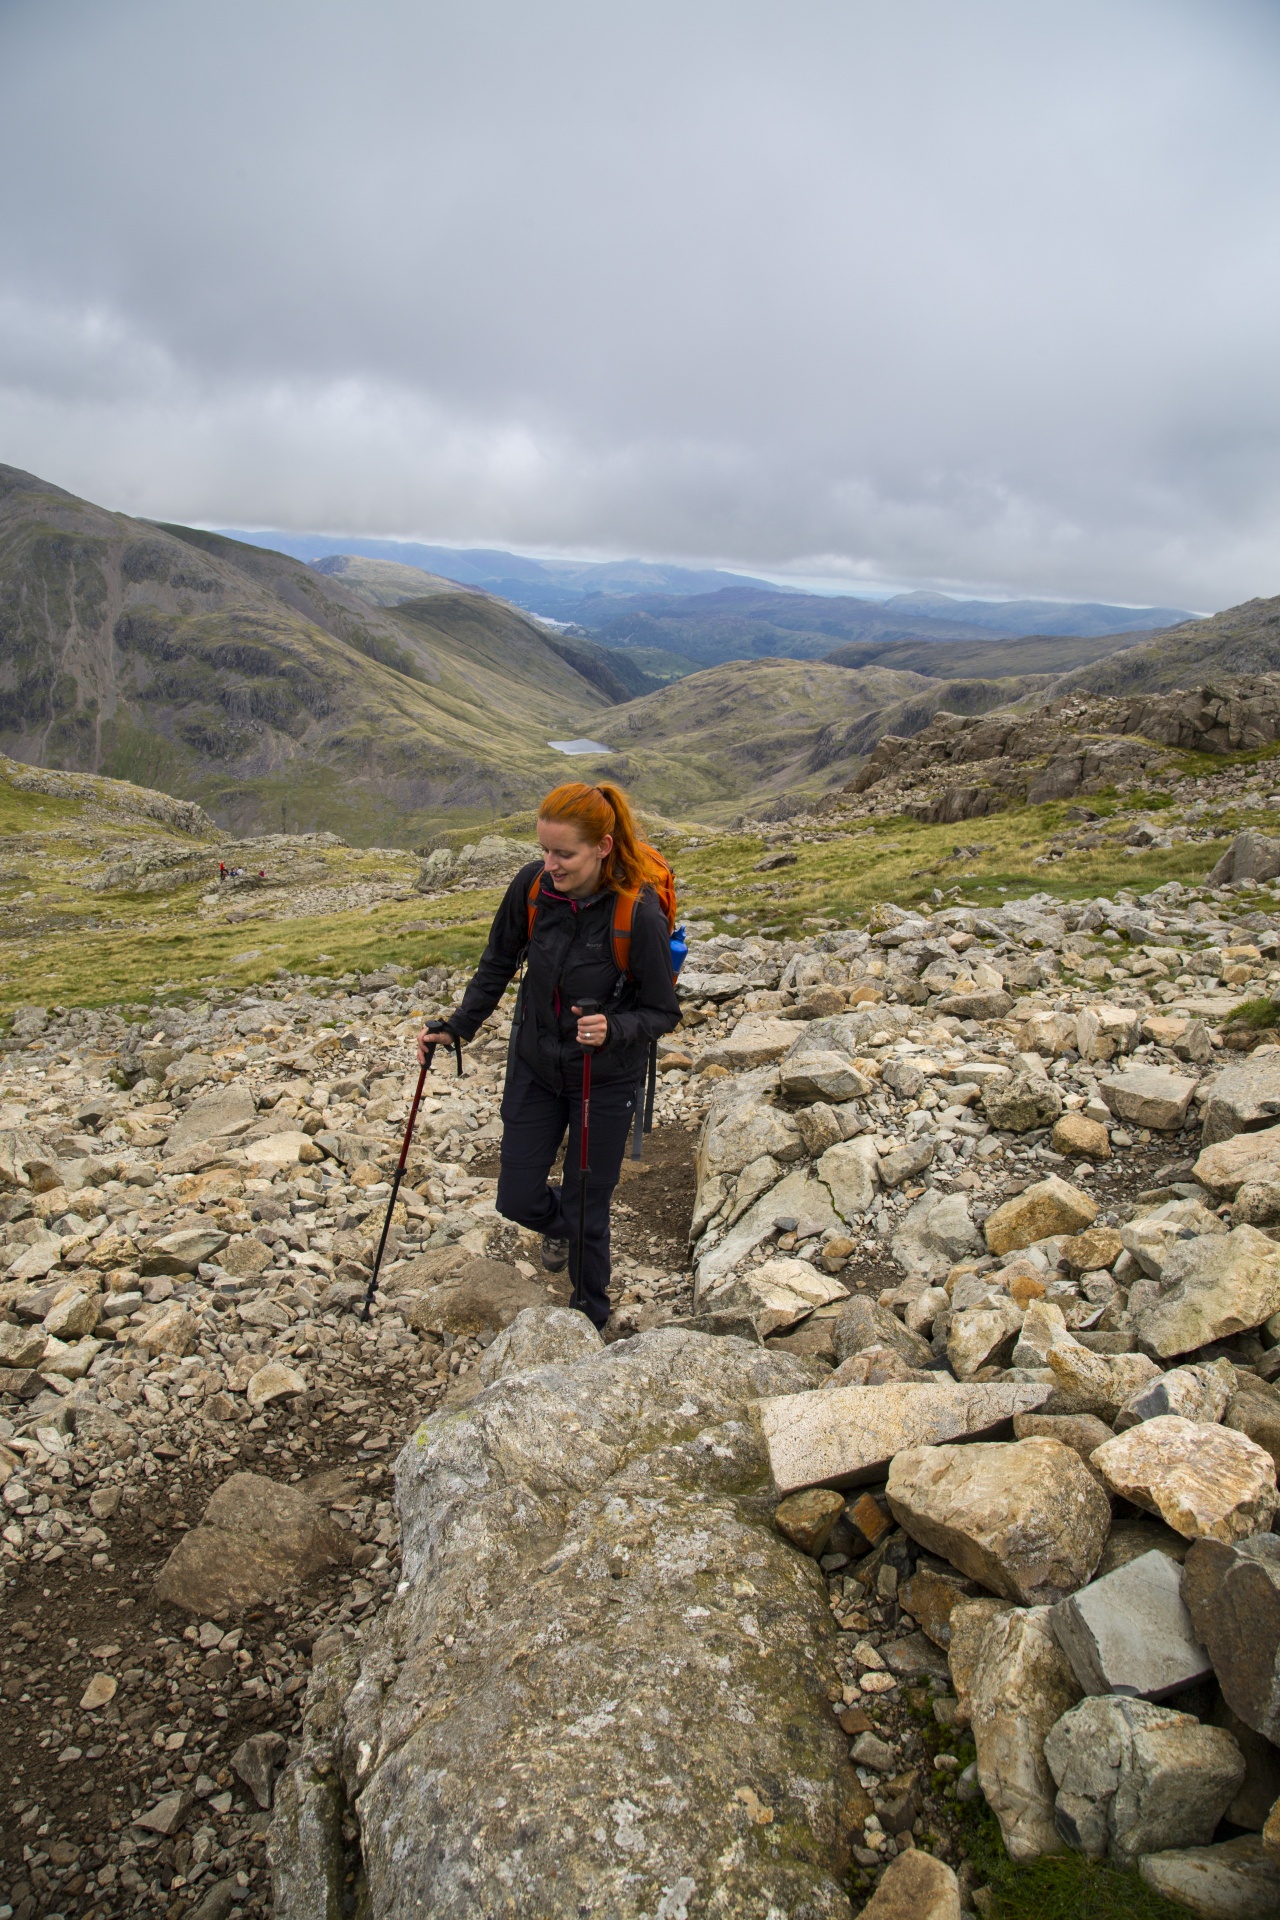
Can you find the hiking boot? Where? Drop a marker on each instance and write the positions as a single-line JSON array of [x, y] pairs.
[[555, 1254]]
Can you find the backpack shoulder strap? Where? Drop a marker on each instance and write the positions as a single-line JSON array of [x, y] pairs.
[[624, 909], [532, 904]]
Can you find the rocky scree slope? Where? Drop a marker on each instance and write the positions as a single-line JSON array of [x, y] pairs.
[[860, 1114], [203, 665], [965, 1217], [960, 768]]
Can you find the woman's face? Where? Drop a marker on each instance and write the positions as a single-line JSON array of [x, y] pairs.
[[572, 863]]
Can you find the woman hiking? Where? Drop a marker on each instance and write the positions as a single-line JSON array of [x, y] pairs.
[[587, 987]]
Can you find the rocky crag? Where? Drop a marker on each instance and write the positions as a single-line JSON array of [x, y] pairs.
[[960, 769], [941, 1461]]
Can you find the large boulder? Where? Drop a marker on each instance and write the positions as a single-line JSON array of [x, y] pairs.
[[1243, 1160], [1213, 1286], [1027, 1519], [862, 1324], [1103, 1031], [741, 1125], [1251, 856], [183, 1251], [1130, 1632], [1021, 1687], [1233, 1596], [257, 1541], [756, 1041], [935, 1233], [774, 1295], [484, 1296], [1149, 1097], [1020, 1101], [799, 1197], [1204, 1481], [1236, 1880], [844, 1436], [915, 1886], [1254, 1409], [1164, 1230], [604, 1679], [1135, 1778], [1242, 1099], [850, 1171], [983, 1336], [1199, 1393], [1039, 1212], [219, 1115], [819, 1065]]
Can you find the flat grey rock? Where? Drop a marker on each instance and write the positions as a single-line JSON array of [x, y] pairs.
[[845, 1436], [219, 1115], [1130, 1632]]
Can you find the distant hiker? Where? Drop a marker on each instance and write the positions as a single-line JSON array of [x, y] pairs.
[[222, 869], [592, 923]]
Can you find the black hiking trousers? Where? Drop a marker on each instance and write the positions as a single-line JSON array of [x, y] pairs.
[[534, 1121]]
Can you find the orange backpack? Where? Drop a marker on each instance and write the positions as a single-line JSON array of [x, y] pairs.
[[663, 883]]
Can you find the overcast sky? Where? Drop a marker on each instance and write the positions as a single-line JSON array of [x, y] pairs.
[[984, 296]]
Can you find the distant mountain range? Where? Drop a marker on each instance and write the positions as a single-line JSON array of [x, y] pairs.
[[365, 694], [553, 588], [683, 618]]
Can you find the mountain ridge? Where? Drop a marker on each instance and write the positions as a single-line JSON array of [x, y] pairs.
[[241, 678]]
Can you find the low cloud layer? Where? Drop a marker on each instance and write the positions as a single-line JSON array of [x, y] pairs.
[[981, 296]]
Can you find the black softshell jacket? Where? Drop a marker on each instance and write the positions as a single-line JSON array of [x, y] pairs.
[[569, 960]]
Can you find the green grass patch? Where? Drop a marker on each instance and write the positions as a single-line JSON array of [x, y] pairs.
[[1062, 1886], [98, 968], [1257, 1014], [148, 944], [34, 812]]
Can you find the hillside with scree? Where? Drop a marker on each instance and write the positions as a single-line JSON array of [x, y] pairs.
[[943, 1346]]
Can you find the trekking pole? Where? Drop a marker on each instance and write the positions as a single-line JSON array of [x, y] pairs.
[[575, 1298], [404, 1153]]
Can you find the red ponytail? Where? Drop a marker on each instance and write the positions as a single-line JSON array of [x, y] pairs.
[[595, 812]]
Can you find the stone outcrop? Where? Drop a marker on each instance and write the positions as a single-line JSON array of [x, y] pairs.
[[592, 1611]]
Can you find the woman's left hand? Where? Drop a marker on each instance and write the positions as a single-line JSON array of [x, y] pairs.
[[593, 1028]]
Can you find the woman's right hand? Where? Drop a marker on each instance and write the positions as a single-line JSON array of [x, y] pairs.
[[435, 1033]]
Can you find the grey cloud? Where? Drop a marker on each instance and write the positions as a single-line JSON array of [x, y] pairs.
[[977, 296]]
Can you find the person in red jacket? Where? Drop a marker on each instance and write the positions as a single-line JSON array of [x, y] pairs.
[[591, 851]]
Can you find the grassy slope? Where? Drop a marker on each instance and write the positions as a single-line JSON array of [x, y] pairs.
[[383, 583], [65, 944], [992, 658], [244, 679], [762, 727]]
